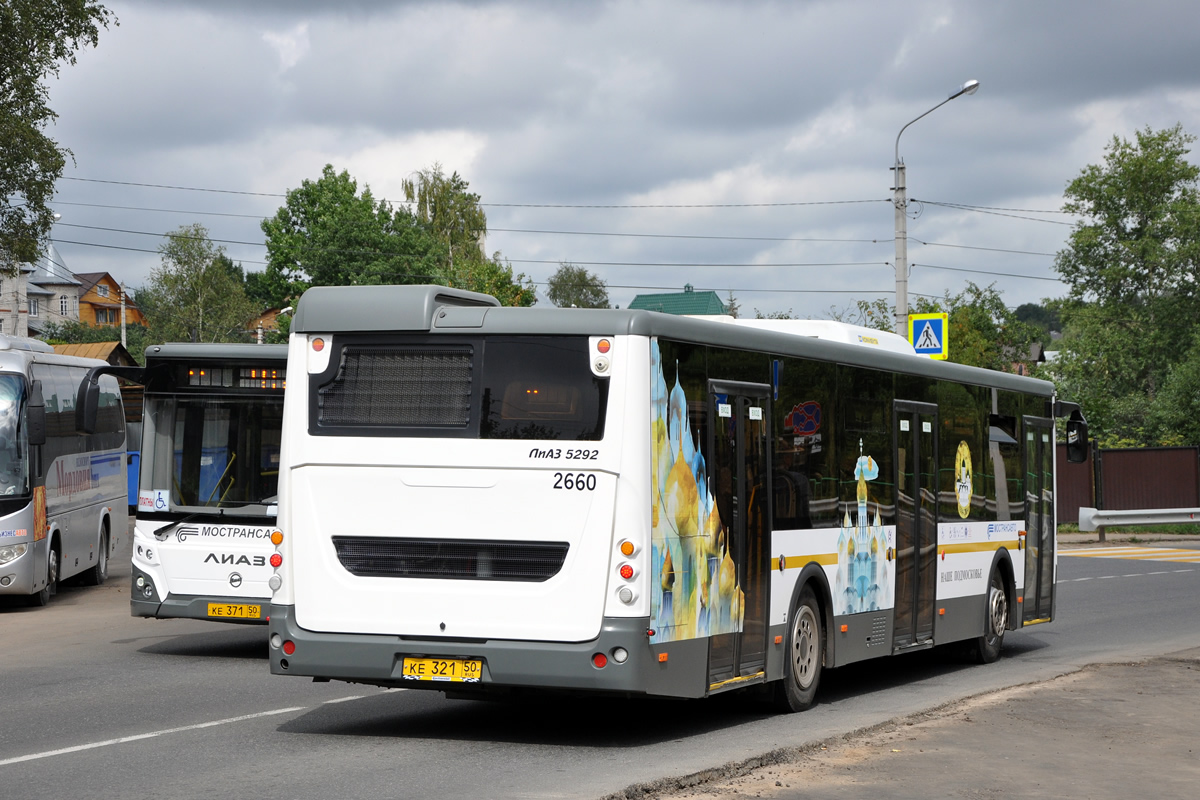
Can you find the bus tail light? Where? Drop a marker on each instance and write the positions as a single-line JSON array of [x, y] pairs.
[[277, 538], [276, 560], [626, 595], [627, 571]]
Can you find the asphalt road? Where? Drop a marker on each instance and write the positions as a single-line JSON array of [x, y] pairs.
[[97, 704]]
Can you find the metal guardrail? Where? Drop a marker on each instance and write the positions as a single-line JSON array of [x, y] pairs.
[[1092, 519]]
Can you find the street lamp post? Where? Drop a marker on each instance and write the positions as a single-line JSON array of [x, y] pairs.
[[900, 200]]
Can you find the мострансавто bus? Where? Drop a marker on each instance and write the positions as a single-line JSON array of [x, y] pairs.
[[207, 490], [479, 499], [62, 495]]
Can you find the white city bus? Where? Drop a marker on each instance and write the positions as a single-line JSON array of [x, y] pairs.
[[484, 499], [62, 494], [207, 489]]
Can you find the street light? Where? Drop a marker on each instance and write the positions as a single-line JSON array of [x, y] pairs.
[[900, 200]]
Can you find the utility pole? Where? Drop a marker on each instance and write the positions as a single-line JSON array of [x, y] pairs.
[[123, 342], [900, 200]]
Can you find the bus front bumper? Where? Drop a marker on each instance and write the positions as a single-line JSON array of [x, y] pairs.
[[675, 669], [186, 606]]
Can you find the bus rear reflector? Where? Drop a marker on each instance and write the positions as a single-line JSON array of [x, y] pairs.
[[289, 647], [599, 660]]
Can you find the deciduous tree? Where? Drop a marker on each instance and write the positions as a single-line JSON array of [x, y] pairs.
[[36, 38], [194, 296], [574, 287]]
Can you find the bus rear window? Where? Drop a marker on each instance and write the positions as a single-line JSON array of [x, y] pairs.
[[541, 388], [512, 387]]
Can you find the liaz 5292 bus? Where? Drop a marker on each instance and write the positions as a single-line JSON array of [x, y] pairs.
[[485, 499], [207, 490], [62, 495]]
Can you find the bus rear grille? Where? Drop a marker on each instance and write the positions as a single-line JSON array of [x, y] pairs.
[[455, 559], [395, 386]]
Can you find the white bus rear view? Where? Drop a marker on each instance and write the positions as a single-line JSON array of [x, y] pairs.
[[486, 500]]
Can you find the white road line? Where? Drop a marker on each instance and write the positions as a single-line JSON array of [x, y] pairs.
[[123, 739], [1130, 575], [344, 699]]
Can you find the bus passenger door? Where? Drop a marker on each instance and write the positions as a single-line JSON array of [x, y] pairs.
[[736, 576], [1038, 602], [915, 426]]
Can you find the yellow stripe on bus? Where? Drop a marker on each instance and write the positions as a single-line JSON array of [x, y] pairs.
[[831, 559]]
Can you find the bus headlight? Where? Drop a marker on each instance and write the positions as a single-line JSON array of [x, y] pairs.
[[12, 552]]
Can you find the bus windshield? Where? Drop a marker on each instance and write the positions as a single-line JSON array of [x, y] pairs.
[[214, 453], [14, 450]]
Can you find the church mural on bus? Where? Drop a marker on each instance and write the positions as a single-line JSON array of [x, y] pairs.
[[694, 586], [864, 572]]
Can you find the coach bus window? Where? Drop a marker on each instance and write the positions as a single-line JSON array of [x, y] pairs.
[[964, 474], [804, 479]]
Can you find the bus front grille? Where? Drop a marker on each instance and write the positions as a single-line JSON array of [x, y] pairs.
[[453, 559]]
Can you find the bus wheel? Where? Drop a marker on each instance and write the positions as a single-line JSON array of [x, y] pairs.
[[805, 652], [96, 575], [43, 597], [987, 646]]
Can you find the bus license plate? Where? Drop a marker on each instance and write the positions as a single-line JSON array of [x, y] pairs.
[[235, 610], [443, 669]]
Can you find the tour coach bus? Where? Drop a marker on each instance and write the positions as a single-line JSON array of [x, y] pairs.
[[207, 489], [481, 499], [63, 508]]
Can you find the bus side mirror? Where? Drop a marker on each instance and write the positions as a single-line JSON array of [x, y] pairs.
[[87, 398], [1077, 438], [35, 419], [87, 404]]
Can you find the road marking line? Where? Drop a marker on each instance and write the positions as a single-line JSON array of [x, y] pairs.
[[344, 699], [136, 737]]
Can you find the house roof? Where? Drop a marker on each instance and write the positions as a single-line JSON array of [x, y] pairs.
[[685, 302], [88, 279], [112, 352]]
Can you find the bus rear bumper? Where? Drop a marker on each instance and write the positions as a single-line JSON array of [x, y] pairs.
[[676, 669]]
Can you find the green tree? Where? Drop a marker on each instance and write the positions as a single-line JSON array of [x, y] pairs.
[[137, 337], [36, 38], [574, 287], [194, 296], [1132, 265], [327, 233], [732, 306], [878, 314]]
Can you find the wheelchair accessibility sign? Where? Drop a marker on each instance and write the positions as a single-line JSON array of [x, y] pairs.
[[927, 333]]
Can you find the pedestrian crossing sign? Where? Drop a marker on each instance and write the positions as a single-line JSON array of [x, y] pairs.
[[927, 333]]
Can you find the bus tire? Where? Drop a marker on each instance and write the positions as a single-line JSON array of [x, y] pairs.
[[42, 598], [995, 620], [99, 571], [805, 654]]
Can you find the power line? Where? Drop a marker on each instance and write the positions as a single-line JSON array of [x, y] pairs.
[[988, 249], [497, 205], [982, 210], [989, 272], [690, 264], [686, 236]]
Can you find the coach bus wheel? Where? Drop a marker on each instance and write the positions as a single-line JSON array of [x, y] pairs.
[[987, 646], [96, 575], [43, 597], [805, 652]]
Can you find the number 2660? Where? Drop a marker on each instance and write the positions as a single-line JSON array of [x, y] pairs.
[[579, 481]]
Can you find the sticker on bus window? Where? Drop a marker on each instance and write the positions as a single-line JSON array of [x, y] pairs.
[[154, 500], [903, 426], [724, 410], [755, 413]]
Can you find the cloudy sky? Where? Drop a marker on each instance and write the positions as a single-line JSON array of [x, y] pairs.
[[741, 147]]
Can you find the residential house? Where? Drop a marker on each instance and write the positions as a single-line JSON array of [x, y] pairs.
[[100, 302], [689, 301]]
